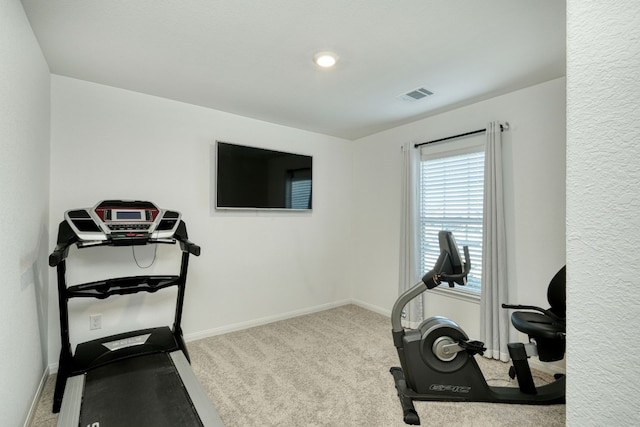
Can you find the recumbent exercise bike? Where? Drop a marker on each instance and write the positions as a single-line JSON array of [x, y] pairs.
[[437, 358]]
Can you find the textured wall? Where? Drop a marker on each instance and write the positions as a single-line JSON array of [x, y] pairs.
[[24, 201], [603, 201]]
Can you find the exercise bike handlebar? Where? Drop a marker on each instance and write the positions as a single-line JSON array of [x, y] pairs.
[[430, 280], [462, 277]]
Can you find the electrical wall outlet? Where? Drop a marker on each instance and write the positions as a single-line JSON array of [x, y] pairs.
[[95, 322]]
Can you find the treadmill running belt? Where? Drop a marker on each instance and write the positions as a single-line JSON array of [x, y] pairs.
[[139, 391]]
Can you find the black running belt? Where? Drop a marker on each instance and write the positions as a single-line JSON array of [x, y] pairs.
[[136, 392]]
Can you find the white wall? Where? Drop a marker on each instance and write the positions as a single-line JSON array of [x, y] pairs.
[[603, 225], [112, 143], [534, 201], [24, 201]]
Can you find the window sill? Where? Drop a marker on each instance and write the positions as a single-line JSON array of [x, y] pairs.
[[457, 293]]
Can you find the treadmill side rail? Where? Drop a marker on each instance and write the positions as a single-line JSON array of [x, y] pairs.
[[204, 408], [71, 402]]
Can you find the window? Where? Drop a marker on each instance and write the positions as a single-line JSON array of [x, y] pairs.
[[451, 198]]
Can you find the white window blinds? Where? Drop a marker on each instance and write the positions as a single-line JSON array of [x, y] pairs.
[[451, 198]]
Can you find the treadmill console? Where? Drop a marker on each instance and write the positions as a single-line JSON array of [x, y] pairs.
[[122, 220]]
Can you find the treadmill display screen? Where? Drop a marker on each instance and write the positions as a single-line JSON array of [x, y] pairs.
[[128, 215]]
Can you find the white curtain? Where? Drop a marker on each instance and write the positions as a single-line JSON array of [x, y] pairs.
[[494, 326], [409, 234]]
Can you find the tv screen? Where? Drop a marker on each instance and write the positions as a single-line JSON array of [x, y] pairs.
[[256, 178]]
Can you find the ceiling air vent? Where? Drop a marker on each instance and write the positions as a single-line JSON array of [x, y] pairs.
[[416, 94]]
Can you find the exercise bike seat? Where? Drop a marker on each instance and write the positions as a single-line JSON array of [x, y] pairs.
[[537, 325], [547, 327]]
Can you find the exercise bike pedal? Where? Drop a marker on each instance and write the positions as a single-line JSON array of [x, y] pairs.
[[473, 347], [512, 373]]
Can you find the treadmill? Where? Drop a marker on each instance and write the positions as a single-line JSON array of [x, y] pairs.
[[138, 378]]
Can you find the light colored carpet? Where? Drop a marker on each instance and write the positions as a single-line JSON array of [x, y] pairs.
[[327, 369]]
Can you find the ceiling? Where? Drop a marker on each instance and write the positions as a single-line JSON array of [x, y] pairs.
[[254, 58]]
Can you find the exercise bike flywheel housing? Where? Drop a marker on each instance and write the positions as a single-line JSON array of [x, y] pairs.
[[437, 334]]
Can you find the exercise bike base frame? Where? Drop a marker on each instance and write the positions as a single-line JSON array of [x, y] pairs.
[[553, 393]]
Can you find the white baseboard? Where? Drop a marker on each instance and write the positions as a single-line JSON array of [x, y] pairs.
[[262, 321], [283, 316], [36, 398], [370, 307]]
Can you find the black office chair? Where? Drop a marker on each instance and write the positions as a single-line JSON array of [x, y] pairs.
[[547, 328]]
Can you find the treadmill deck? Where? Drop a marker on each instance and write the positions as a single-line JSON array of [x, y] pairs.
[[137, 391]]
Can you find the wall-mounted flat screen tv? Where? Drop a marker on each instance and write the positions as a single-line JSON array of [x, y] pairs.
[[256, 178]]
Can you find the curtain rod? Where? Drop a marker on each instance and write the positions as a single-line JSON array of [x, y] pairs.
[[473, 132]]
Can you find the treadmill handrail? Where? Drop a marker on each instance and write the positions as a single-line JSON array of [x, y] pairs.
[[102, 289], [67, 237], [185, 244]]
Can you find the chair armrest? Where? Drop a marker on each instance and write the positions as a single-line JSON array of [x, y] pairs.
[[534, 308]]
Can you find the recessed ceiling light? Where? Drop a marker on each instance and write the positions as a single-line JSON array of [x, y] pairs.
[[325, 59]]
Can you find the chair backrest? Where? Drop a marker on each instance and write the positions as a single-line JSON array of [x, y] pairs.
[[557, 294]]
